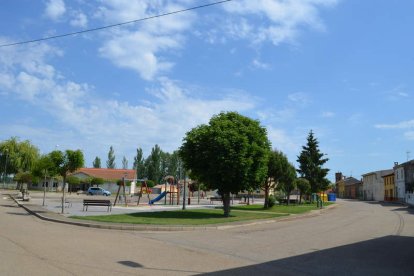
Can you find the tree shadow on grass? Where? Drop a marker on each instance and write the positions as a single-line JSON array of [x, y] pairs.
[[178, 215], [390, 255]]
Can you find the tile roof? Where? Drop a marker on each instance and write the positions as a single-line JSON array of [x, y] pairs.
[[351, 181], [108, 174]]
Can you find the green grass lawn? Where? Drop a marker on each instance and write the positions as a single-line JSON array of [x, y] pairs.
[[291, 209], [187, 217]]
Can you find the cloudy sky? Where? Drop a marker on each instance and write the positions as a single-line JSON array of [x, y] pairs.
[[343, 68]]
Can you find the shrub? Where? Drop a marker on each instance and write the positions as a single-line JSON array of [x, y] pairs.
[[272, 201]]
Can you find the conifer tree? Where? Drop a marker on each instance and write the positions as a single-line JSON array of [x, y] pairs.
[[311, 163], [110, 163], [97, 162]]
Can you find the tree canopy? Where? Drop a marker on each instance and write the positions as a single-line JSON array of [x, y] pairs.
[[229, 154], [311, 163], [279, 173], [64, 163], [17, 156]]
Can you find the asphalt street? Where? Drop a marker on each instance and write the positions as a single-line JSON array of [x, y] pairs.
[[354, 238]]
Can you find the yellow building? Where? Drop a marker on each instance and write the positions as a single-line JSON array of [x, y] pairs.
[[389, 187]]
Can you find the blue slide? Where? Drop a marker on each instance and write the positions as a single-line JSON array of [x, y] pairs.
[[158, 198]]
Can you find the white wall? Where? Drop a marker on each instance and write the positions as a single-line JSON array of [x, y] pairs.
[[409, 198]]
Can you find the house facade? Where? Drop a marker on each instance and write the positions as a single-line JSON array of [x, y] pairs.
[[404, 180], [110, 177], [348, 187], [373, 185], [353, 188], [389, 187]]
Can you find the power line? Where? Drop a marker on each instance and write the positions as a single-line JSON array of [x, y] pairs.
[[114, 25]]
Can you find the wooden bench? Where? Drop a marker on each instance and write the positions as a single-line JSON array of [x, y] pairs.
[[214, 199], [97, 202]]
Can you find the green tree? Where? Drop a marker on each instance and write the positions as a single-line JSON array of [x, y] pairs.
[[287, 180], [311, 163], [97, 162], [24, 177], [304, 187], [153, 164], [277, 169], [139, 164], [124, 163], [97, 181], [229, 154], [65, 163], [110, 163], [17, 156], [72, 180]]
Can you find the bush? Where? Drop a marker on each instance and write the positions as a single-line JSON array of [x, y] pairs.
[[272, 201]]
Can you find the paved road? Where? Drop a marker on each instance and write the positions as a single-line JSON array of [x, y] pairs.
[[355, 238]]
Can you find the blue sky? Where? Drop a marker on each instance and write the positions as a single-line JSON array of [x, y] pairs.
[[343, 68]]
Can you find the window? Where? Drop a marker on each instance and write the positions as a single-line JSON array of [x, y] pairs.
[[45, 184]]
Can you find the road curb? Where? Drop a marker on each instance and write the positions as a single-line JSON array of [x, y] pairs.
[[132, 227]]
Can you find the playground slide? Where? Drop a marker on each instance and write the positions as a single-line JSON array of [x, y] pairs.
[[158, 198]]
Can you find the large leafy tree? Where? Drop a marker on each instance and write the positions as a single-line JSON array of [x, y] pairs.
[[230, 154], [311, 163], [286, 179], [17, 156], [279, 169], [97, 162], [110, 163], [303, 186], [65, 163]]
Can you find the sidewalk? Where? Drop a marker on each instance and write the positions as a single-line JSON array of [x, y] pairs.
[[52, 212]]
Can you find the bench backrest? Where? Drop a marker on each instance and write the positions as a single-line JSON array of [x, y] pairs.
[[103, 201]]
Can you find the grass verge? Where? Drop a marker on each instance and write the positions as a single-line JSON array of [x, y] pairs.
[[183, 217], [284, 209]]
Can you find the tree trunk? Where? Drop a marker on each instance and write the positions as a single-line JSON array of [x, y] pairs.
[[266, 191], [63, 194], [226, 204], [288, 198], [300, 197]]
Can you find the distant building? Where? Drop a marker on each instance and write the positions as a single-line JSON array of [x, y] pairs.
[[373, 185], [404, 180], [110, 177], [389, 187], [348, 187]]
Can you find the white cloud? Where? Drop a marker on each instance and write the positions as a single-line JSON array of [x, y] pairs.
[[400, 125], [141, 46], [282, 141], [260, 65], [55, 9], [398, 93], [79, 20], [328, 114], [409, 135], [138, 51], [95, 122], [299, 98], [280, 21]]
